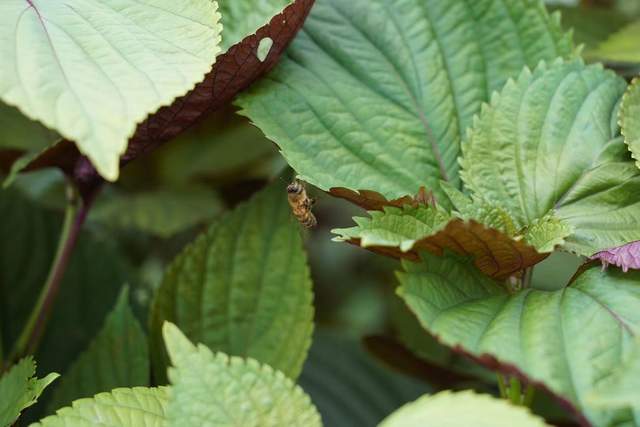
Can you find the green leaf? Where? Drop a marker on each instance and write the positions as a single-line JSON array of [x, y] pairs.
[[162, 213], [630, 119], [218, 390], [349, 387], [243, 287], [402, 232], [547, 233], [621, 46], [243, 17], [20, 389], [117, 357], [591, 25], [19, 133], [395, 227], [623, 388], [570, 340], [65, 65], [377, 95], [548, 145], [89, 289], [462, 409], [122, 407]]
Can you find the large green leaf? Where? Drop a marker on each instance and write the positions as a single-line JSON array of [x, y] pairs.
[[19, 389], [630, 119], [377, 95], [623, 388], [122, 407], [117, 357], [570, 340], [161, 213], [243, 287], [217, 390], [92, 70], [548, 145], [89, 289], [621, 46], [243, 17], [461, 409]]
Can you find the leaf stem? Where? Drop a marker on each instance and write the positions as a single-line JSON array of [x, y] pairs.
[[515, 391], [528, 396], [75, 214], [502, 386]]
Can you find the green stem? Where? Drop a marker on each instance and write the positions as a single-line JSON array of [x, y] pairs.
[[32, 332], [515, 391], [529, 395], [502, 386]]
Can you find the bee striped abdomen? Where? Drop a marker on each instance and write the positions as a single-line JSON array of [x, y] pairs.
[[301, 204]]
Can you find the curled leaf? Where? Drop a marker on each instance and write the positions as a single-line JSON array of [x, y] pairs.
[[403, 232]]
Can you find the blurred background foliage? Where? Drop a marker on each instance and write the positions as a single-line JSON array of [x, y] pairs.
[[364, 335]]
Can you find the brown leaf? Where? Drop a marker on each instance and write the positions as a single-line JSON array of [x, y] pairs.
[[234, 71], [374, 201], [494, 253]]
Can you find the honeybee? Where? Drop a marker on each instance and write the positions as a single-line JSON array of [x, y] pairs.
[[301, 204]]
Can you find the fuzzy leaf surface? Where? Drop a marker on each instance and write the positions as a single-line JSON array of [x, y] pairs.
[[217, 390], [462, 409], [568, 341], [243, 287], [376, 95]]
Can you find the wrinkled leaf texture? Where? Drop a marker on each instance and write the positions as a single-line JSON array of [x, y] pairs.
[[377, 95], [567, 341]]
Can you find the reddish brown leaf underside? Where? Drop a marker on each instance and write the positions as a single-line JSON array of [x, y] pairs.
[[494, 253], [374, 201], [234, 71]]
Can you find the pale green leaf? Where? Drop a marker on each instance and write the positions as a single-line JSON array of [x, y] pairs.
[[211, 390], [473, 208], [571, 339], [117, 357], [548, 145], [162, 213], [377, 95], [395, 227], [622, 46], [92, 70], [630, 119], [122, 407], [241, 18], [19, 389], [462, 409], [547, 233], [623, 388], [243, 287]]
